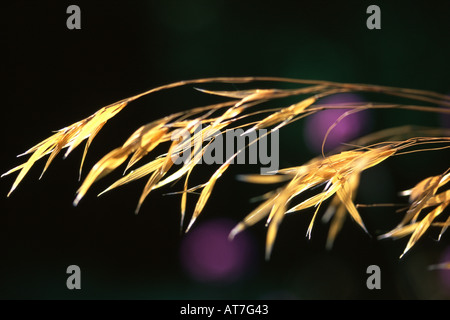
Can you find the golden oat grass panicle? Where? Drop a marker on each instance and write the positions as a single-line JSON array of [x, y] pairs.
[[333, 176]]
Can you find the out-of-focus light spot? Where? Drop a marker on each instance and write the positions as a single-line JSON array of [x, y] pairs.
[[349, 128], [444, 274], [209, 256]]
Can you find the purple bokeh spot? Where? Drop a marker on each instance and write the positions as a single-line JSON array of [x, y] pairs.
[[444, 274], [208, 255], [347, 129]]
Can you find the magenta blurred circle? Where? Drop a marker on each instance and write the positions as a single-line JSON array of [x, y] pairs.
[[208, 255], [347, 129], [444, 274]]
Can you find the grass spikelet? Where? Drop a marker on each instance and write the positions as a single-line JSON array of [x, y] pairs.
[[423, 225], [339, 173], [69, 137], [143, 140], [136, 174], [422, 196]]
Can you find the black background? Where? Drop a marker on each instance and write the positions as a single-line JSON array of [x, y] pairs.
[[55, 77]]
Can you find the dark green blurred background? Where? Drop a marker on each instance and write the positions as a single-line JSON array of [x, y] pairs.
[[57, 76]]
